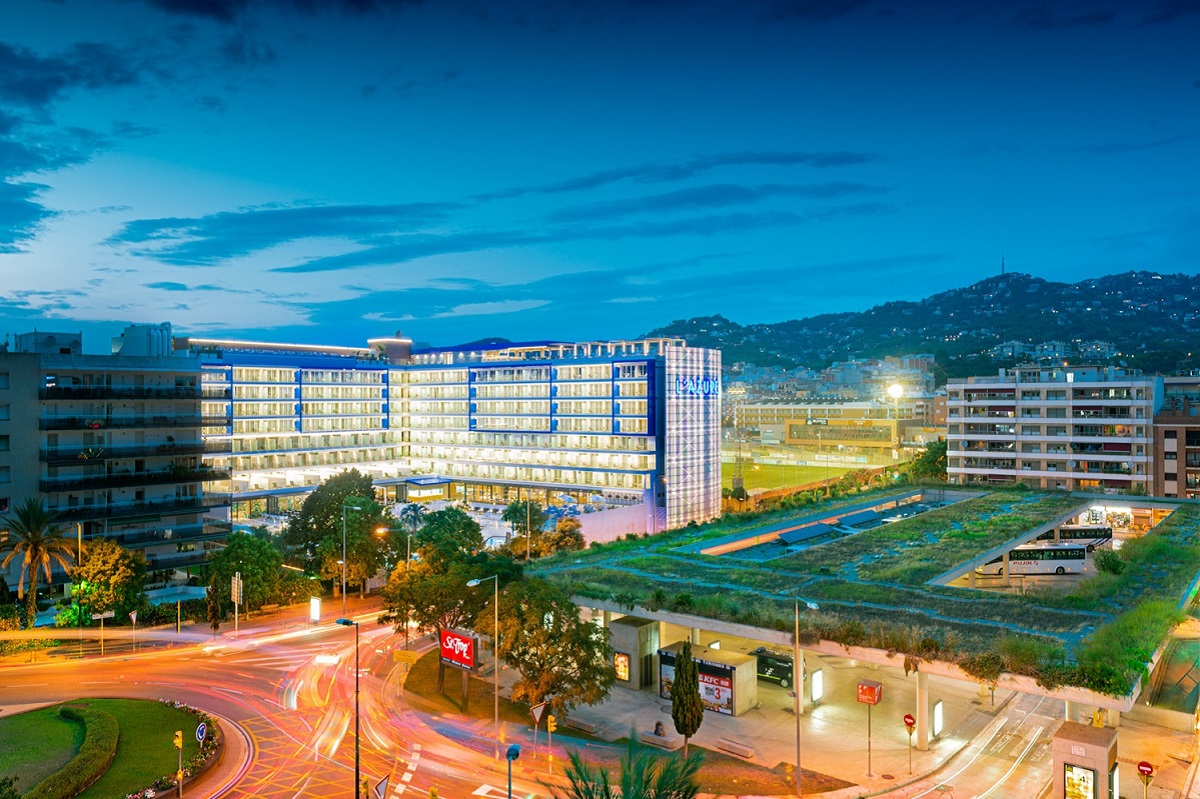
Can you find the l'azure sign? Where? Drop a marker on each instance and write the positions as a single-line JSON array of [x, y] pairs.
[[698, 386]]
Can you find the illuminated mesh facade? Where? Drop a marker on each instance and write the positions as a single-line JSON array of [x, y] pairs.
[[692, 435]]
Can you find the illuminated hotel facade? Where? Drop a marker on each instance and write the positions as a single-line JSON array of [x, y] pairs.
[[626, 422]]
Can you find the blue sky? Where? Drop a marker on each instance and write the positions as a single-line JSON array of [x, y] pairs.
[[329, 170]]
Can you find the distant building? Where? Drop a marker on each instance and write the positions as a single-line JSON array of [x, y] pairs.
[[1177, 439], [111, 442], [1086, 428]]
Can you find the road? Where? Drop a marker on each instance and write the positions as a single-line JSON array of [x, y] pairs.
[[292, 692]]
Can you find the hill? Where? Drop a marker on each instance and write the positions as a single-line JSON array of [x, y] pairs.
[[1151, 320]]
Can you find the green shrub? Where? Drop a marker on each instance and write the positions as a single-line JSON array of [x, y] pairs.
[[1108, 561], [92, 759]]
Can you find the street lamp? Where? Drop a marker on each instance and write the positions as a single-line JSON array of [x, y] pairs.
[[357, 761], [495, 663], [513, 753], [345, 506], [384, 530], [798, 683], [896, 391]]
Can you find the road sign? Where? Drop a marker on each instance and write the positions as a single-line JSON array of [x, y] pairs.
[[909, 722], [870, 692], [536, 711], [108, 614], [201, 731], [405, 656], [1145, 769]]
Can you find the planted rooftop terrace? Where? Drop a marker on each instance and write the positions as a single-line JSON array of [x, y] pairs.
[[882, 588]]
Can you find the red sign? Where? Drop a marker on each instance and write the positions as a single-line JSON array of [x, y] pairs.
[[870, 692], [458, 650], [909, 721], [1145, 768]]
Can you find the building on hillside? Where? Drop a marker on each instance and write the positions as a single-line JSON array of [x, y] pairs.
[[111, 442], [625, 422], [1085, 428], [1177, 439]]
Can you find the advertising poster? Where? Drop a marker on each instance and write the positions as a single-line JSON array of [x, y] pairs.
[[1080, 782], [716, 682], [458, 650], [621, 664]]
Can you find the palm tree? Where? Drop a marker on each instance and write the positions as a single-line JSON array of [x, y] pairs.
[[35, 534], [642, 777], [412, 515]]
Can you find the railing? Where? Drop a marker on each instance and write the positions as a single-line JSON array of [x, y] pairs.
[[120, 392], [180, 535], [118, 510], [128, 479], [101, 422], [103, 453]]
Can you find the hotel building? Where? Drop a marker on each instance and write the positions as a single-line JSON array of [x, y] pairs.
[[1086, 428], [628, 422]]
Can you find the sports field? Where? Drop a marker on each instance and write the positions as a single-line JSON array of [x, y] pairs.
[[771, 476]]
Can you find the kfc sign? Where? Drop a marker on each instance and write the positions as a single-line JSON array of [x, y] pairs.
[[458, 650]]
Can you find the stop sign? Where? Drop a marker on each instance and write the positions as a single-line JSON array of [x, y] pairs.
[[909, 721], [1145, 769]]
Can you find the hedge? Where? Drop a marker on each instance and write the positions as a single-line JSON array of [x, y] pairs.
[[90, 762]]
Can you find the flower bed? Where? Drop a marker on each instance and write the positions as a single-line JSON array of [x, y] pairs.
[[208, 749]]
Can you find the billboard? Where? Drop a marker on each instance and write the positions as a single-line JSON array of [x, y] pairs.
[[458, 650], [870, 692], [716, 682]]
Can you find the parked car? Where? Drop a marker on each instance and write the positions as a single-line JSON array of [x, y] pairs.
[[774, 666]]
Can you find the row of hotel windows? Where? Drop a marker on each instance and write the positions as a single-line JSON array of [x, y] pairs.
[[552, 441], [484, 471], [322, 458], [590, 460], [1049, 395]]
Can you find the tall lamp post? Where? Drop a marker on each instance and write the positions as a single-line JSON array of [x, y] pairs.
[[896, 391], [383, 530], [512, 754], [357, 761], [79, 564], [345, 506], [798, 682], [495, 658]]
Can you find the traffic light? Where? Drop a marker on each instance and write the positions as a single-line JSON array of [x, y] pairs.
[[551, 723], [178, 739]]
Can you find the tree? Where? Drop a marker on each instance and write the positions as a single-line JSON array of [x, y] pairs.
[[687, 711], [37, 537], [447, 535], [365, 551], [931, 465], [8, 788], [213, 607], [436, 595], [412, 516], [641, 777], [321, 513], [562, 659], [110, 577], [526, 517], [257, 560], [567, 536]]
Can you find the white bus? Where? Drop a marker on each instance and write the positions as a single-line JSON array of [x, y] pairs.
[[1090, 535], [1043, 559]]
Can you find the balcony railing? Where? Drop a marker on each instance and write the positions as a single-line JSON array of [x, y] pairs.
[[130, 478], [125, 510], [180, 534], [101, 422], [61, 455], [120, 392]]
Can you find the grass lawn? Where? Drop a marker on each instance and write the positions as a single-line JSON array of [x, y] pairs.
[[770, 475], [719, 774], [145, 750], [36, 744]]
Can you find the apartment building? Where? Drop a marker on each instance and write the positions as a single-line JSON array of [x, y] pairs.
[[1086, 428], [629, 422], [1177, 439], [111, 442]]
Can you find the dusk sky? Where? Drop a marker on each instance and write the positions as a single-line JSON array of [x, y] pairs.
[[321, 171]]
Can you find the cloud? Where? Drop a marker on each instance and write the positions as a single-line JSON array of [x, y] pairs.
[[1118, 147], [411, 248], [29, 80], [166, 285], [667, 172], [711, 196], [1171, 10], [811, 10], [229, 10], [1042, 18], [20, 214], [209, 240], [240, 50]]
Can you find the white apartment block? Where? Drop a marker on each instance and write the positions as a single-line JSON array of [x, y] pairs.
[[1073, 428]]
